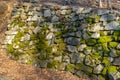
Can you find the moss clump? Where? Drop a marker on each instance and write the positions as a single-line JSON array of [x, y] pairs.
[[97, 18], [55, 64], [70, 67], [112, 69], [112, 44], [89, 20], [34, 24], [105, 48], [104, 39], [91, 41], [116, 35], [21, 24], [103, 33], [118, 52], [10, 48], [106, 61]]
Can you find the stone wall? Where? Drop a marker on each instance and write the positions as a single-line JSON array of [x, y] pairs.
[[76, 39]]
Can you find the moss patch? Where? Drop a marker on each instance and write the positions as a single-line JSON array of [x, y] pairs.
[[105, 39]]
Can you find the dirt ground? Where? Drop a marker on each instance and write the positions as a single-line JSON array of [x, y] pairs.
[[12, 70]]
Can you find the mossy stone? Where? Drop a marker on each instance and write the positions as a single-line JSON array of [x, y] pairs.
[[112, 69], [118, 52], [104, 39], [91, 41], [10, 48], [113, 44], [106, 61], [70, 67], [89, 20], [105, 48], [34, 24], [116, 35], [97, 18]]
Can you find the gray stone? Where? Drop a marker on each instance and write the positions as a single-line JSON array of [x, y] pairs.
[[63, 12], [50, 36], [47, 13], [97, 27], [30, 13], [27, 37], [98, 69], [9, 39], [64, 7], [112, 26], [102, 11], [89, 61], [66, 59], [55, 19], [11, 32], [72, 41], [59, 58], [78, 34], [37, 29], [114, 76], [82, 47], [80, 9], [95, 35], [29, 18], [118, 46], [34, 18], [72, 48], [43, 64], [107, 17], [113, 53], [74, 57], [116, 61], [87, 10]]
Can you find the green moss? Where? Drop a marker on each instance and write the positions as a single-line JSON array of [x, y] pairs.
[[59, 25], [89, 33], [102, 33], [112, 69], [97, 18], [116, 35], [10, 48], [21, 24], [104, 71], [34, 24], [89, 20], [70, 67], [106, 61], [105, 48], [112, 44], [118, 52], [105, 39], [55, 64], [91, 41], [83, 41]]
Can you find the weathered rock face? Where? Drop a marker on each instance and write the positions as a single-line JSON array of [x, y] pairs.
[[79, 40]]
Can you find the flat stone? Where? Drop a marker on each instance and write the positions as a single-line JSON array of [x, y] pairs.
[[11, 32], [112, 26], [87, 10], [118, 46], [72, 48], [81, 47], [27, 37], [95, 35], [80, 9], [73, 41], [55, 19], [37, 29], [108, 17], [34, 18], [102, 11], [9, 39], [116, 61], [50, 36], [78, 34], [114, 76], [43, 64], [98, 69], [47, 13]]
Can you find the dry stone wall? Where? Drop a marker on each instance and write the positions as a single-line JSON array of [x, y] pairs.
[[76, 39]]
